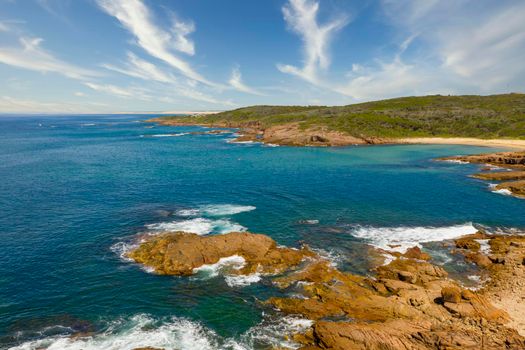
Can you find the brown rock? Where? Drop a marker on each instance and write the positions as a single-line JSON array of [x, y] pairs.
[[416, 253], [179, 253], [479, 259], [451, 294]]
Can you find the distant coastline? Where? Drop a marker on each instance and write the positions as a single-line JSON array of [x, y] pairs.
[[492, 121]]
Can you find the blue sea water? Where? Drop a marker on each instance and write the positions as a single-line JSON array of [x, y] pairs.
[[76, 190]]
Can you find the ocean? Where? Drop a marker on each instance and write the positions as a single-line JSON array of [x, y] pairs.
[[75, 191]]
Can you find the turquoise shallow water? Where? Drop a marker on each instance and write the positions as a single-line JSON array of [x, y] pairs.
[[75, 190]]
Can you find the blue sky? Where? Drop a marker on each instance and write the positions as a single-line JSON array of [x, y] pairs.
[[95, 56]]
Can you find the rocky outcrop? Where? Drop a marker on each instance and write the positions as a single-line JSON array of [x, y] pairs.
[[501, 175], [504, 264], [407, 304], [289, 134], [512, 160], [504, 159], [180, 253], [517, 188], [410, 304]]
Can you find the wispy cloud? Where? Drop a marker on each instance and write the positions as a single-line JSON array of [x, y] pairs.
[[139, 68], [157, 42], [9, 104], [119, 91], [30, 55], [478, 43], [237, 83], [301, 17], [180, 31]]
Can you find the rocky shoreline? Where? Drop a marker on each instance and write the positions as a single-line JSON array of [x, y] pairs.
[[407, 303], [508, 167], [289, 134], [295, 134]]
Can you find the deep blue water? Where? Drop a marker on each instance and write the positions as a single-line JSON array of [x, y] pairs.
[[72, 193]]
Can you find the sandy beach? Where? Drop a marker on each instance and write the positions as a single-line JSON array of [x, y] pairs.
[[517, 144]]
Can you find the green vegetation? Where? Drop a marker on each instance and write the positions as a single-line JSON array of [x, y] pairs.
[[496, 116]]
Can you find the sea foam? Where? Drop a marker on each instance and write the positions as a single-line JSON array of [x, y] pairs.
[[226, 267], [174, 333], [200, 226], [216, 210], [401, 238], [138, 331]]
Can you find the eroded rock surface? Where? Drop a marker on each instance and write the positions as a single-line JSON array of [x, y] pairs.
[[180, 253], [505, 266], [504, 159], [407, 304]]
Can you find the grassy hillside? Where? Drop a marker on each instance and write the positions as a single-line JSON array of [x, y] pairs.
[[497, 116]]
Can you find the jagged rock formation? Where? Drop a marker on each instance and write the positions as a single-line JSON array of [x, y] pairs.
[[408, 304]]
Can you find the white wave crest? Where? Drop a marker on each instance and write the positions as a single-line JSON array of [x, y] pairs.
[[227, 267], [122, 249], [225, 209], [242, 280], [216, 210], [503, 191], [200, 226], [484, 246], [275, 334], [455, 161], [138, 331], [401, 238], [174, 333], [235, 262], [166, 135]]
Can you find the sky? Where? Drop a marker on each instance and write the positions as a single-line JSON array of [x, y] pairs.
[[104, 56]]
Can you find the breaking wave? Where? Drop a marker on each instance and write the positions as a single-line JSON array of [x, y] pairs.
[[174, 333], [401, 238], [200, 226], [216, 210]]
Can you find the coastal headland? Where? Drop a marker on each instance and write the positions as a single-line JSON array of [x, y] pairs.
[[494, 121]]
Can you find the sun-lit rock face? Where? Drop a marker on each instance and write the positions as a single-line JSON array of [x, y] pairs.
[[180, 253], [409, 303]]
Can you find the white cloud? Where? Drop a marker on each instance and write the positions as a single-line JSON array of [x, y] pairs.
[[9, 104], [480, 44], [139, 68], [119, 91], [80, 94], [237, 83], [180, 31], [301, 17], [30, 55], [385, 80], [136, 18]]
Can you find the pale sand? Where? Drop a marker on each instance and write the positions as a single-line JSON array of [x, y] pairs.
[[520, 144]]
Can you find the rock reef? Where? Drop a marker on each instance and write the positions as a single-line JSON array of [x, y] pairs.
[[514, 180], [179, 253], [408, 303]]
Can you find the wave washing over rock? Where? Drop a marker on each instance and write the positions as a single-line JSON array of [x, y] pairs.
[[200, 226], [144, 331], [401, 238], [224, 267]]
